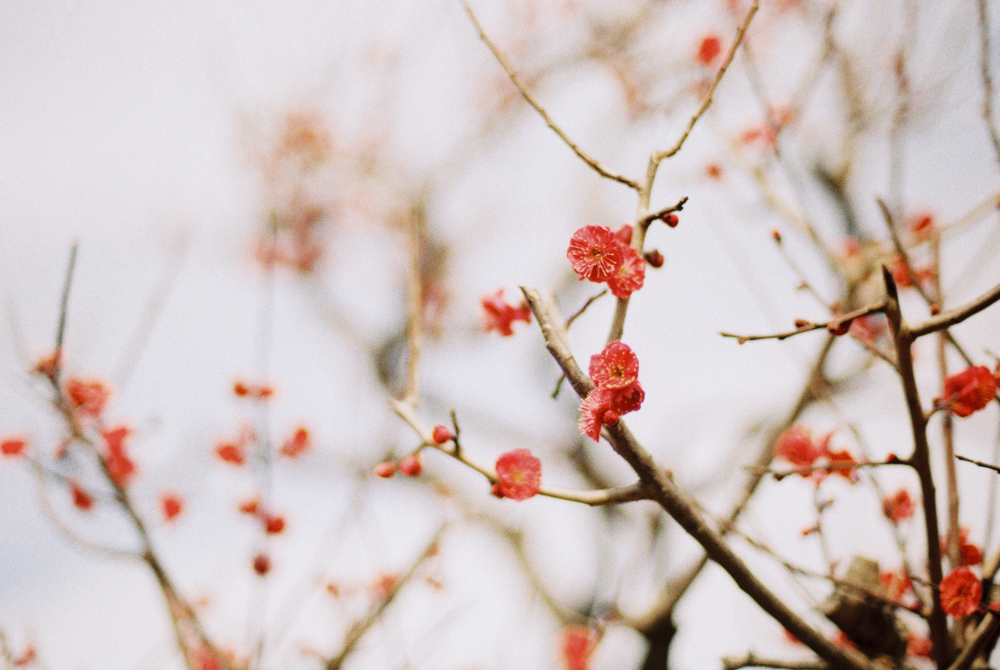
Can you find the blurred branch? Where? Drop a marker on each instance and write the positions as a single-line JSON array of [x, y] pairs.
[[659, 156], [541, 110], [358, 631], [979, 463], [751, 660], [987, 78]]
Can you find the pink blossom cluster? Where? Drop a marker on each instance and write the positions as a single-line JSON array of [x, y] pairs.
[[601, 256], [615, 373]]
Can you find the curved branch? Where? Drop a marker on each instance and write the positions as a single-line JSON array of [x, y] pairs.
[[592, 162]]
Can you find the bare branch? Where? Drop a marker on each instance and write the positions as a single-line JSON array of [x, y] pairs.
[[954, 316], [921, 463], [984, 70], [751, 660], [979, 463], [834, 326], [541, 110], [659, 156], [358, 630]]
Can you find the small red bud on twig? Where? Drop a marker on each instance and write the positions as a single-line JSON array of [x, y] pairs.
[[776, 235], [385, 470], [411, 466], [654, 258], [670, 219], [838, 328], [935, 309], [441, 434], [261, 564], [801, 323]]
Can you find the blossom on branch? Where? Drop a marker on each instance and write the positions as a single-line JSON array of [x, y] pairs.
[[498, 315], [615, 373], [595, 253], [797, 446], [961, 592], [629, 276], [899, 506], [120, 467], [519, 475], [87, 397], [615, 367], [971, 554], [968, 391]]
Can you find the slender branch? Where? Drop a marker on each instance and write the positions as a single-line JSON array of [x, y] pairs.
[[579, 312], [955, 316], [630, 493], [741, 31], [649, 218], [984, 70], [414, 324], [751, 660], [63, 309], [921, 463], [829, 467], [986, 627], [358, 630], [979, 463], [683, 510], [541, 110], [834, 326]]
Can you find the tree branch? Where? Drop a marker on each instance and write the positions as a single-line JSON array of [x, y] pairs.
[[541, 110], [683, 510]]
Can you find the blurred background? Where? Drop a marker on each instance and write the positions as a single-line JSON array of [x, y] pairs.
[[241, 179]]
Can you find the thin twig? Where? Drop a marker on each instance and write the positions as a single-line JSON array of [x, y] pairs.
[[662, 155], [63, 309], [921, 463], [358, 630], [833, 325], [649, 218], [979, 463], [541, 110], [753, 661], [955, 316], [630, 493], [984, 69]]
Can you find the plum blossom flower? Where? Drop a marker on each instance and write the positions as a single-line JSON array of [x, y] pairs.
[[961, 592], [120, 467], [577, 646], [498, 315], [968, 391], [629, 276], [899, 506], [796, 446], [87, 396], [615, 367], [595, 253], [519, 475], [615, 373]]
